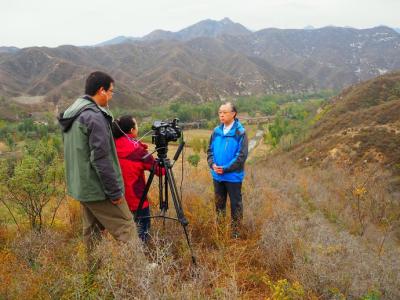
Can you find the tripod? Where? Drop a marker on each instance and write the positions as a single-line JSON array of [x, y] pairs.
[[164, 163]]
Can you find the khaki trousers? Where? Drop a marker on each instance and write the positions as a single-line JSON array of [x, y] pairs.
[[100, 215]]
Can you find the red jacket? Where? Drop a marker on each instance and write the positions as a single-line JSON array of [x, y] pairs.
[[130, 155]]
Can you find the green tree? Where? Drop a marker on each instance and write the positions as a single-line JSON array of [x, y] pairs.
[[277, 129], [10, 142], [269, 108], [174, 107], [184, 114], [26, 125], [36, 180]]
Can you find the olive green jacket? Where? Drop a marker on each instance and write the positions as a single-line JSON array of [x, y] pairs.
[[91, 163]]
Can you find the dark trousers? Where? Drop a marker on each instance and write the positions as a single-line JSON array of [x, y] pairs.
[[234, 189], [143, 225]]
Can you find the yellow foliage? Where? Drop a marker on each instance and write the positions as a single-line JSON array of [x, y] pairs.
[[359, 191], [284, 290]]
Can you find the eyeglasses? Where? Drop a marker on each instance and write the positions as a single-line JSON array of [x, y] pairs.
[[222, 112]]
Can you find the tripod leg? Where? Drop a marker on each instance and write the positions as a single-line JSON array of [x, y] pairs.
[[189, 245], [178, 207], [166, 193], [175, 197], [160, 194], [166, 199], [146, 189]]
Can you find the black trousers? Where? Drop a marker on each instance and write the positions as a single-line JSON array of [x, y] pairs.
[[143, 225], [234, 189]]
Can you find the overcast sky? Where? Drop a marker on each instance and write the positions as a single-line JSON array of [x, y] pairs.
[[87, 22]]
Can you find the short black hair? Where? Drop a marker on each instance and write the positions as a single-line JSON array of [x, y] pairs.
[[96, 80], [123, 125]]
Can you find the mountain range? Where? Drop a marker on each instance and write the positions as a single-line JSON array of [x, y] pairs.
[[210, 60]]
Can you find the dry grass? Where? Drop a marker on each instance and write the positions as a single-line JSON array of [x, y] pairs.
[[197, 133], [3, 147], [205, 133], [225, 270], [317, 239], [301, 240]]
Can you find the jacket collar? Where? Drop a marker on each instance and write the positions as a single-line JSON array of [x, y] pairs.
[[232, 132], [105, 111]]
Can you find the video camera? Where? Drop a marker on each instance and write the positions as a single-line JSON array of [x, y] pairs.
[[164, 132]]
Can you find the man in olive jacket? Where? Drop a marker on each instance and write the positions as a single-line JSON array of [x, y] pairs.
[[92, 170]]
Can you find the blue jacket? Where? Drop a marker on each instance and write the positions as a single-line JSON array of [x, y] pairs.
[[229, 151]]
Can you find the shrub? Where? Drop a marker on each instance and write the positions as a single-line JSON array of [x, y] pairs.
[[194, 159], [36, 180], [284, 290], [196, 145]]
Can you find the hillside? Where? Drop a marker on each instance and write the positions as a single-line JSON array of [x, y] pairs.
[[360, 126]]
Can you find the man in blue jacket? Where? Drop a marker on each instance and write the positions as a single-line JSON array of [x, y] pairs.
[[226, 155]]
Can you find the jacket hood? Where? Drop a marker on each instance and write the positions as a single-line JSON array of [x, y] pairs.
[[67, 118]]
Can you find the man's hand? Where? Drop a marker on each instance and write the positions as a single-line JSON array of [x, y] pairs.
[[117, 201], [217, 169]]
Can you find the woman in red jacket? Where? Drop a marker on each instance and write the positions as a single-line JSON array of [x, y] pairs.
[[130, 155]]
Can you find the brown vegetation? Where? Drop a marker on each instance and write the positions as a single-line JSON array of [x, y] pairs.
[[302, 239]]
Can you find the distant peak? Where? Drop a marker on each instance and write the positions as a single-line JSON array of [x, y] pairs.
[[226, 21], [384, 27]]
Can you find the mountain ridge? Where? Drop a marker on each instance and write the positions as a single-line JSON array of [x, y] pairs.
[[206, 65]]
